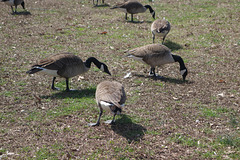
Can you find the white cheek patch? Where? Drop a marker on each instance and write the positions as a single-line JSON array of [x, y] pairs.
[[102, 67], [183, 71], [153, 13]]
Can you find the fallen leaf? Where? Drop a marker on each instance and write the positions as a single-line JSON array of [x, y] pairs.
[[221, 81], [38, 98], [103, 32]]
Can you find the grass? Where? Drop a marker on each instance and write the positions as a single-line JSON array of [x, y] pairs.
[[163, 118]]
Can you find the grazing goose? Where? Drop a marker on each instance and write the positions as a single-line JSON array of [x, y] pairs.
[[14, 3], [97, 2], [133, 7], [160, 27], [157, 55], [65, 65], [109, 96]]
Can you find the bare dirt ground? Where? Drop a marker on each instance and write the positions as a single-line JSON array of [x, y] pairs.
[[163, 119]]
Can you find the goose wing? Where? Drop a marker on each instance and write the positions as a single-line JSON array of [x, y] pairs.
[[150, 50], [58, 61]]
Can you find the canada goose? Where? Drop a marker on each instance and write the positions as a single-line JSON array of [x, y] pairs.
[[14, 3], [109, 96], [65, 65], [133, 7], [157, 55], [97, 2], [160, 27]]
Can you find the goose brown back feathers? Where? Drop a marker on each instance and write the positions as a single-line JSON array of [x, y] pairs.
[[111, 92], [67, 64]]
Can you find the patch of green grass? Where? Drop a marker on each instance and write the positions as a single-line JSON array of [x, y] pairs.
[[137, 81], [184, 140], [208, 112], [230, 140], [234, 121], [45, 153], [26, 149], [7, 93], [34, 116], [159, 84], [154, 132]]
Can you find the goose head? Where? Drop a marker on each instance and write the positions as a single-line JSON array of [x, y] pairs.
[[184, 73]]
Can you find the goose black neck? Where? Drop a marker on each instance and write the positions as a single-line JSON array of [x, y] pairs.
[[149, 7], [90, 60], [180, 61]]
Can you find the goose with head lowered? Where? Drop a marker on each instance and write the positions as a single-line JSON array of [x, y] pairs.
[[14, 3], [110, 96], [160, 27], [157, 55], [65, 65], [133, 7]]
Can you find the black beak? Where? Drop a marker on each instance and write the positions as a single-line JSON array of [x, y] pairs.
[[108, 72]]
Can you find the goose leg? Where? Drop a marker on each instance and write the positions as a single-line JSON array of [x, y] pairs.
[[16, 9], [54, 78], [67, 86], [111, 121], [153, 35], [23, 5], [12, 9], [152, 72], [98, 121], [132, 17], [126, 16], [163, 39]]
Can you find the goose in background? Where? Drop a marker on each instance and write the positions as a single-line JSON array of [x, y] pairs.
[[157, 55], [14, 3], [160, 27], [65, 65], [97, 2], [133, 7], [110, 96]]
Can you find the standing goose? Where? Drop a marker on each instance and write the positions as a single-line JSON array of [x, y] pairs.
[[14, 3], [109, 96], [65, 65], [157, 55], [97, 2], [133, 7], [160, 27]]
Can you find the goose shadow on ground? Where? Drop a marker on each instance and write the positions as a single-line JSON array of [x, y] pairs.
[[102, 5], [166, 79], [129, 130], [89, 92], [22, 13], [138, 22], [172, 45]]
